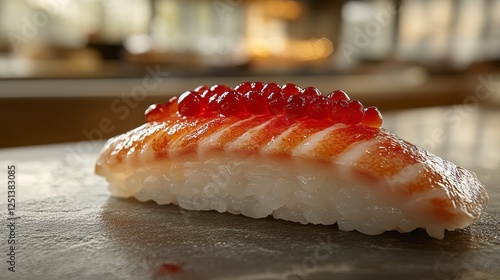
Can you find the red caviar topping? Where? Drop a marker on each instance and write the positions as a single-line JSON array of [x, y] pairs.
[[354, 112], [255, 102], [321, 108], [248, 86], [338, 95], [189, 103], [171, 108], [339, 111], [230, 103], [291, 89], [372, 117], [276, 103], [219, 89], [297, 106], [259, 98], [244, 87], [310, 92], [201, 89], [154, 112], [272, 88]]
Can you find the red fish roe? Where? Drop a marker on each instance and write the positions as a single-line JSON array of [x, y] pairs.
[[244, 87], [310, 92], [321, 108], [338, 95], [255, 102], [268, 89], [297, 106], [372, 117], [154, 112], [277, 100], [339, 111], [290, 89], [230, 103], [257, 98], [219, 89], [201, 89], [248, 86], [189, 103], [276, 103], [209, 99], [354, 112]]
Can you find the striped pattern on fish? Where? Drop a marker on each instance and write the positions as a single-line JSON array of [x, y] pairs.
[[437, 191]]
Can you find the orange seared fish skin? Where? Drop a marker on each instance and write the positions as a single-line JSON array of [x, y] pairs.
[[300, 156]]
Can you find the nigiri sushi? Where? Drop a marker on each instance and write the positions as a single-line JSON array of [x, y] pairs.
[[268, 150]]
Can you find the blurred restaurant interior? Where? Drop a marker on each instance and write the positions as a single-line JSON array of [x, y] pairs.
[[66, 65]]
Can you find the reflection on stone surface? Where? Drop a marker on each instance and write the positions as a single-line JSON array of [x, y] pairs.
[[212, 244]]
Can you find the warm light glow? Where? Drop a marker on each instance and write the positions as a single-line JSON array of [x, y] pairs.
[[300, 50], [285, 9], [259, 47], [305, 50]]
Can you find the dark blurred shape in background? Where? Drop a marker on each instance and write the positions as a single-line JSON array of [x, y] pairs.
[[88, 59]]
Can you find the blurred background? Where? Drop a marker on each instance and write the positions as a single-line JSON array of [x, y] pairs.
[[75, 70]]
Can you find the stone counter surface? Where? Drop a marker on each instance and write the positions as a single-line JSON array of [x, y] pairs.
[[68, 227]]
